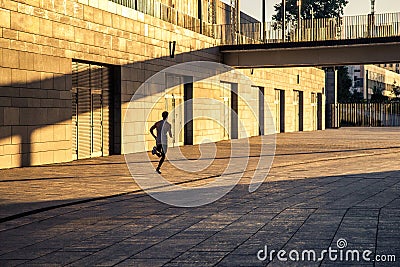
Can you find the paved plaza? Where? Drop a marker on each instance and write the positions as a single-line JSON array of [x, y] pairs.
[[334, 189]]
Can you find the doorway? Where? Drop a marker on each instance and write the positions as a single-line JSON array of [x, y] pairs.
[[319, 111], [279, 111], [261, 110], [314, 112], [225, 112], [174, 105], [91, 85], [188, 112], [234, 111], [231, 109], [298, 110]]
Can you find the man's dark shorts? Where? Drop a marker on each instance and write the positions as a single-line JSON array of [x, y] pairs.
[[162, 148]]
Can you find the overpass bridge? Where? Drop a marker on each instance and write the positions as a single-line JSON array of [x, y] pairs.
[[369, 39]]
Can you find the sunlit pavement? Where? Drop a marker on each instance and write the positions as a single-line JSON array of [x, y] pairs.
[[324, 187]]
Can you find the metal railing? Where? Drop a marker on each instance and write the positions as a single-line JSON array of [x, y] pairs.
[[366, 115], [165, 13], [307, 30], [342, 28], [324, 29], [225, 34], [249, 33]]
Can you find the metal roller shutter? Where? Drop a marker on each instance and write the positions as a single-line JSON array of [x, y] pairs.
[[90, 110], [106, 109], [96, 112], [75, 111]]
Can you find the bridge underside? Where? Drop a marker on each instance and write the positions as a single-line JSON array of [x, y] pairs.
[[307, 54]]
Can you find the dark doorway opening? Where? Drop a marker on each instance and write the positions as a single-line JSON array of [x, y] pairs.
[[261, 110], [301, 111], [188, 111], [234, 111], [319, 111], [280, 110]]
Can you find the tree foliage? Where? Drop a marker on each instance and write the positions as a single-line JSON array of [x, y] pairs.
[[377, 95], [357, 97], [321, 9], [396, 89], [344, 85]]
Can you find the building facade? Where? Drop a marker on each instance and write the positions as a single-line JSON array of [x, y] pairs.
[[68, 70], [395, 67], [380, 79]]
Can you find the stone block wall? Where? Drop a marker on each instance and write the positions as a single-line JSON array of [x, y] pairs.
[[39, 39], [307, 80]]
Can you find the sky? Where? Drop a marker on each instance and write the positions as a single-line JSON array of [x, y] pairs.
[[354, 7]]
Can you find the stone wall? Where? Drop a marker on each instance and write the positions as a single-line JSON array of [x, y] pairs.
[[39, 39]]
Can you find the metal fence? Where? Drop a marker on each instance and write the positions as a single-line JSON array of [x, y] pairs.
[[249, 33], [165, 13], [342, 28], [364, 115], [323, 29]]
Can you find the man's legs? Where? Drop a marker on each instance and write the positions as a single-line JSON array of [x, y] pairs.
[[160, 148]]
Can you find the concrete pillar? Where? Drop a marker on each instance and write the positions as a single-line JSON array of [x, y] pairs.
[[331, 85], [331, 82]]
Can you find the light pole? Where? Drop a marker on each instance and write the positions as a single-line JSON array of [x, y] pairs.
[[299, 20], [239, 30], [283, 20], [264, 19], [368, 98], [372, 7], [235, 21], [312, 23], [371, 20]]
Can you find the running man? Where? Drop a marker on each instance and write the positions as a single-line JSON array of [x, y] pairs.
[[163, 127]]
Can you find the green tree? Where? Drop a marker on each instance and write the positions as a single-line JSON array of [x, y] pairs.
[[377, 96], [396, 89], [321, 9], [344, 85], [357, 97]]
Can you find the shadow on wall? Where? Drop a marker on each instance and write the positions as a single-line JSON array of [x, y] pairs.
[[48, 102]]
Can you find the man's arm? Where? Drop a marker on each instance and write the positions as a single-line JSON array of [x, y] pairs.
[[152, 129], [169, 131]]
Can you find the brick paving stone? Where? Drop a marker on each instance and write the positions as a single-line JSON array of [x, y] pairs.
[[241, 261], [59, 258], [200, 258], [322, 186], [142, 262], [11, 263]]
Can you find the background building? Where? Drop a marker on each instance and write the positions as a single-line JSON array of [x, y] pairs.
[[395, 67], [379, 79], [68, 70]]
